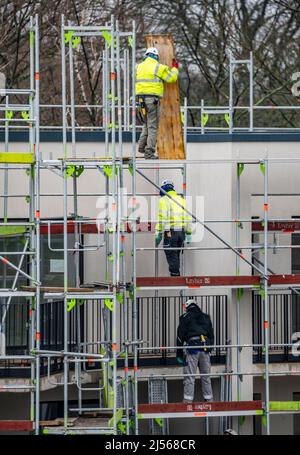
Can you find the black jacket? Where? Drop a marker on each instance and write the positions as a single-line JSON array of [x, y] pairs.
[[194, 323]]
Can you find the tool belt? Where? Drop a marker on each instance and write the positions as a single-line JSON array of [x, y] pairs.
[[141, 108], [199, 342]]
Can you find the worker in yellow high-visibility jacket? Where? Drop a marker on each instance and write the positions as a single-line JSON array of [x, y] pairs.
[[150, 78], [174, 225]]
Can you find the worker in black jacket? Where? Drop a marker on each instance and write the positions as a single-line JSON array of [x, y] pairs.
[[195, 329]]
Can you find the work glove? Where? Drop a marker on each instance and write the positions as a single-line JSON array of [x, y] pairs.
[[158, 239], [175, 64], [180, 361], [188, 239]]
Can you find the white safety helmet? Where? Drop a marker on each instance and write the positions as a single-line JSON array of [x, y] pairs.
[[152, 50], [231, 432], [167, 182], [190, 302]]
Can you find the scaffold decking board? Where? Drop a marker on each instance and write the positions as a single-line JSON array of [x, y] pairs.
[[61, 289], [215, 281], [170, 144], [286, 227], [16, 425], [206, 409], [17, 158]]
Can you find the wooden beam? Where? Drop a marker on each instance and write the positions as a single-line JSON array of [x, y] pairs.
[[220, 406], [170, 145]]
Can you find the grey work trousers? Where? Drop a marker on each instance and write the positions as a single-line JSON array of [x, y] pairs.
[[199, 359], [148, 138]]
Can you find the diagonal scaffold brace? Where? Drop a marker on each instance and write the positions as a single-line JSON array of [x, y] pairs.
[[211, 231]]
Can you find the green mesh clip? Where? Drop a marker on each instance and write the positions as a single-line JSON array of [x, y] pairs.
[[25, 115], [45, 431], [239, 293], [27, 199], [120, 298], [131, 295], [205, 119], [123, 355], [240, 169], [130, 41], [70, 305], [76, 41], [160, 422], [264, 420], [130, 168], [108, 171], [111, 230], [81, 302], [107, 37], [121, 254], [110, 304], [9, 115], [111, 257], [111, 363], [227, 119], [262, 168], [139, 416], [68, 36]]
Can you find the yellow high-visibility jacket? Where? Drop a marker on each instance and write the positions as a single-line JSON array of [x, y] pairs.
[[151, 75], [171, 216]]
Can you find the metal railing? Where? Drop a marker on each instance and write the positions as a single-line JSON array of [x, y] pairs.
[[284, 321]]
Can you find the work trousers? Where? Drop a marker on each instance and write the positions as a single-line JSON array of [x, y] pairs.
[[173, 239], [148, 138], [199, 359]]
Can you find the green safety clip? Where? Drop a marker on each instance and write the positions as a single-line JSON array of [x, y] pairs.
[[262, 168], [160, 422], [240, 169], [68, 36], [75, 171], [130, 41], [120, 298], [25, 115], [205, 118], [110, 304], [227, 119], [76, 41], [70, 305]]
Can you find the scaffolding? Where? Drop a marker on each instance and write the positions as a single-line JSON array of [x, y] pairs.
[[119, 408]]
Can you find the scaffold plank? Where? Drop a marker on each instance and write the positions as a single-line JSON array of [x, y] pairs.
[[170, 144], [206, 409], [286, 227], [215, 281], [16, 425], [17, 158]]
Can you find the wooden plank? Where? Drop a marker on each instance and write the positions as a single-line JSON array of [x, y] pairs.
[[16, 425], [220, 406], [202, 281], [170, 145]]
